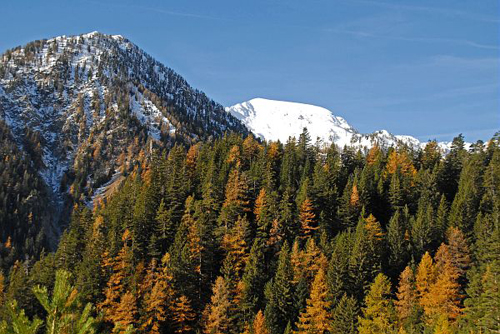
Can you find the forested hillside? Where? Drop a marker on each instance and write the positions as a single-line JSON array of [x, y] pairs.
[[236, 236], [78, 112]]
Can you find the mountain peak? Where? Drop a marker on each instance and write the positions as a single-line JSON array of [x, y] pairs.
[[279, 120], [97, 33], [103, 94]]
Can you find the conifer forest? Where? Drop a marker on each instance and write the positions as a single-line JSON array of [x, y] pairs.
[[239, 235]]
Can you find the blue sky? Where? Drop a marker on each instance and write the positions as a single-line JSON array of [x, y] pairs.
[[424, 68]]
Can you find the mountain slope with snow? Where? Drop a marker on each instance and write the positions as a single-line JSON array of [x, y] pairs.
[[90, 106], [279, 120]]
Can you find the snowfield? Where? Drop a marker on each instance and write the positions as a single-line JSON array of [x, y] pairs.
[[279, 120]]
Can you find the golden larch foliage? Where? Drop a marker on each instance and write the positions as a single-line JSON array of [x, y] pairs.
[[273, 150], [426, 276], [234, 156], [125, 313], [354, 200], [400, 160], [260, 202], [445, 292], [236, 191], [378, 314], [317, 316], [195, 246], [218, 321], [157, 292], [373, 228], [234, 243], [443, 326], [276, 233], [307, 218], [459, 250], [259, 324], [192, 156], [373, 154], [8, 243], [297, 260], [251, 148], [406, 295], [115, 287], [313, 259], [182, 315]]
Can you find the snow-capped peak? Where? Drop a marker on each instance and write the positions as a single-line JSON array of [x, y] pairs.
[[279, 120]]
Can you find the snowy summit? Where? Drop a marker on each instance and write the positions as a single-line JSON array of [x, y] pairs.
[[279, 120]]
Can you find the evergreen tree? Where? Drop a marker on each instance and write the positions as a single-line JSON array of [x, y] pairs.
[[63, 315], [279, 294], [397, 241], [366, 255], [253, 281], [338, 267], [19, 323], [345, 316]]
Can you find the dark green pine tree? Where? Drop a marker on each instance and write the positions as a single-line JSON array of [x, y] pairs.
[[441, 221], [279, 294], [164, 230], [367, 252], [490, 203], [345, 315], [89, 279], [287, 217], [253, 281], [305, 155], [70, 251], [398, 242], [289, 172], [395, 193], [324, 194], [338, 267], [350, 207], [466, 202], [422, 230], [449, 171], [482, 307], [183, 265]]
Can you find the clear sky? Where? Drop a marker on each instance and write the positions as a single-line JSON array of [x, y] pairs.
[[427, 68]]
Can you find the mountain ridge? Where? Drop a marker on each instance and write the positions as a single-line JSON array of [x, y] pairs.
[[91, 62], [278, 120]]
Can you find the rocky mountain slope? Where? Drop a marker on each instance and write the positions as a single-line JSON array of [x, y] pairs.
[[95, 95], [87, 108], [279, 120]]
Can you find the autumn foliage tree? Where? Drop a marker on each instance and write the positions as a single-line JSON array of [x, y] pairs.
[[317, 317]]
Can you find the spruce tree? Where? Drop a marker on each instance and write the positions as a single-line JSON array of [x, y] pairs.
[[345, 316], [279, 294]]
